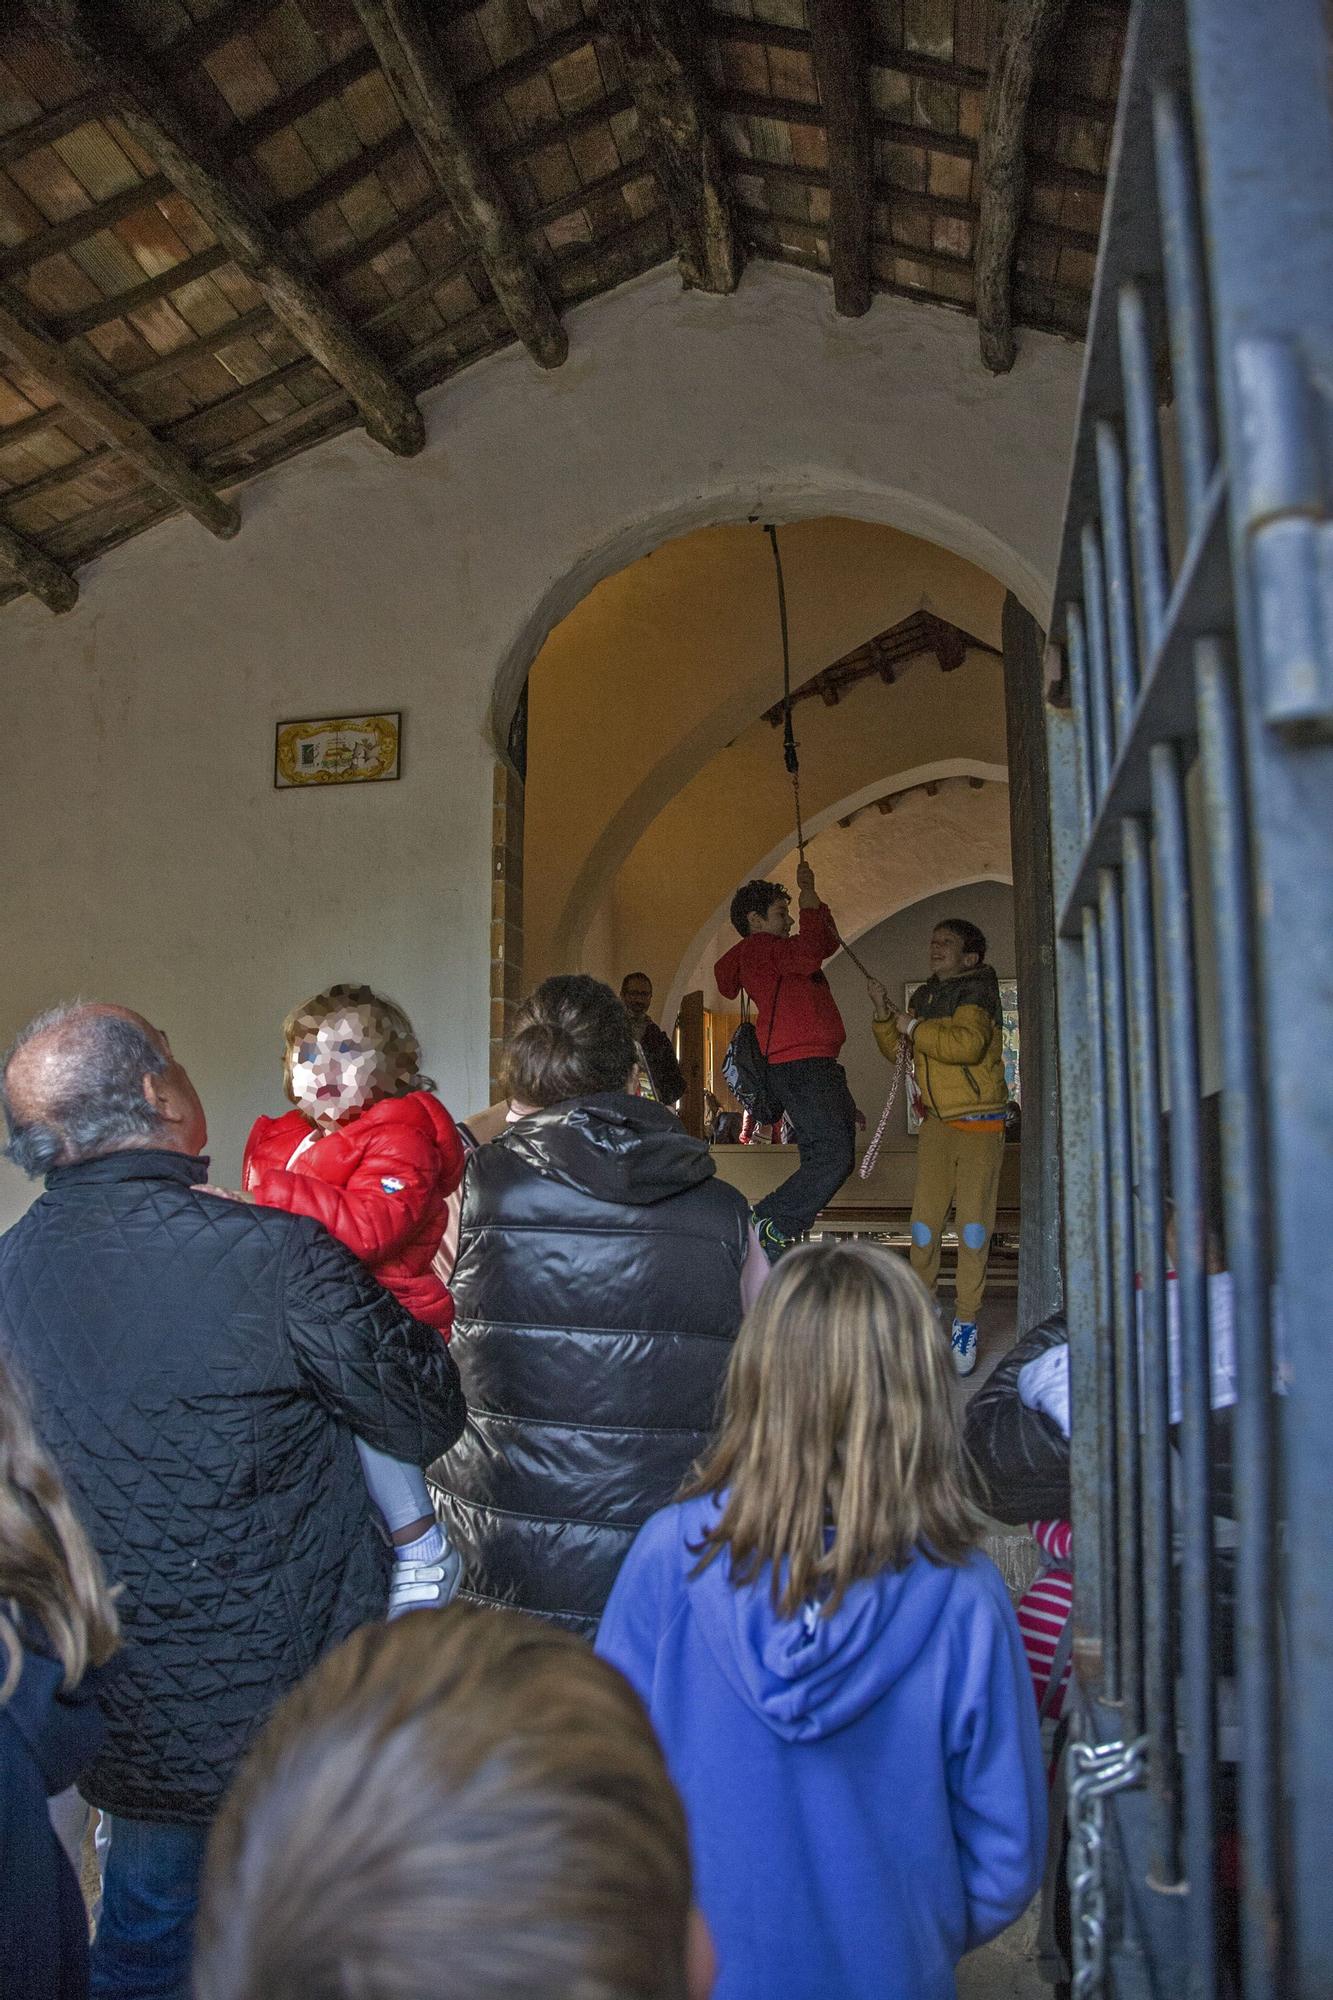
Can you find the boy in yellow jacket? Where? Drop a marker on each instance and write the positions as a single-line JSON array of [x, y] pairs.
[[953, 1026]]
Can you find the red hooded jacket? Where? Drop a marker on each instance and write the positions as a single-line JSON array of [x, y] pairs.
[[379, 1183], [808, 1022]]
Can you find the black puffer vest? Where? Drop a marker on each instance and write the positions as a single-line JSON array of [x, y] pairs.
[[597, 1293]]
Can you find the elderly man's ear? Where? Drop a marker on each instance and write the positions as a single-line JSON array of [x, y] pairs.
[[176, 1106]]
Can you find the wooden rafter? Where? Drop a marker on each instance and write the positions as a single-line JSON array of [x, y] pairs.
[[879, 658], [36, 572], [1027, 26], [163, 465], [88, 38], [413, 64], [840, 44], [657, 43]]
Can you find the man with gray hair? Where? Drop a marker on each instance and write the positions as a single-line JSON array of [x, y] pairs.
[[199, 1369]]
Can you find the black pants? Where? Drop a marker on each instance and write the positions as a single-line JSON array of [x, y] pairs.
[[814, 1095]]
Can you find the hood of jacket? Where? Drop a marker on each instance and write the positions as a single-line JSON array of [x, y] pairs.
[[810, 1676], [61, 1726], [611, 1146], [978, 988]]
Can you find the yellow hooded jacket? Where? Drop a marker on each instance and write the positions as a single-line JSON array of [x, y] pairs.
[[958, 1046]]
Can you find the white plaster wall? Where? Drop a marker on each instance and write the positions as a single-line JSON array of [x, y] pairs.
[[148, 859]]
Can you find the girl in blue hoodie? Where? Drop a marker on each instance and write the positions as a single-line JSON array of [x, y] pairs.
[[833, 1668]]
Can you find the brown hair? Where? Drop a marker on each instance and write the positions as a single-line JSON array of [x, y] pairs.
[[840, 1453], [571, 1037], [400, 1052], [48, 1569], [459, 1806]]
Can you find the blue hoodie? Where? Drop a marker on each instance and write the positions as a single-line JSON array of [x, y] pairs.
[[865, 1792]]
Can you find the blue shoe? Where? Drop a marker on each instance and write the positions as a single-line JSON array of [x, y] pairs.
[[963, 1345]]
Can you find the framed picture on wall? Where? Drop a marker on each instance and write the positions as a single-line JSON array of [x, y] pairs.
[[1008, 1030], [337, 750]]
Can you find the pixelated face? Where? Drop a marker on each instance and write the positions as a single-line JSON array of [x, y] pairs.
[[337, 1067], [637, 995], [776, 920], [948, 960]]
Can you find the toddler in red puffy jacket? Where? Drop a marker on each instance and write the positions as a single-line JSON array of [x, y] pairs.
[[374, 1156]]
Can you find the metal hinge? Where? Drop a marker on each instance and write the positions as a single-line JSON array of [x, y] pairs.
[[1093, 1772], [1289, 537]]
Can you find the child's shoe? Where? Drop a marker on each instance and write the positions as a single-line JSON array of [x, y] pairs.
[[427, 1578], [771, 1239], [963, 1345]]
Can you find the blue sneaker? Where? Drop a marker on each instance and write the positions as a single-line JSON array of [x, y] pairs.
[[963, 1345]]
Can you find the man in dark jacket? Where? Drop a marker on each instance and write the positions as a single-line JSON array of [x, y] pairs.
[[659, 1055], [198, 1369], [801, 1033]]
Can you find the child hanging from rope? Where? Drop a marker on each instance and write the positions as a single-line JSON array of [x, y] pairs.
[[801, 1033], [953, 1029]]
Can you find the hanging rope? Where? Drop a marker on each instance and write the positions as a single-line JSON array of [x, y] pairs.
[[899, 1071], [789, 756]]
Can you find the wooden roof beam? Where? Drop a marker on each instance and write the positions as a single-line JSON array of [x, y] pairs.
[[164, 465], [413, 64], [840, 44], [1027, 26], [657, 43], [27, 565], [100, 47]]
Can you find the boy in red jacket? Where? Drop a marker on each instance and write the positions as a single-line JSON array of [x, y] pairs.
[[800, 1031], [374, 1156]]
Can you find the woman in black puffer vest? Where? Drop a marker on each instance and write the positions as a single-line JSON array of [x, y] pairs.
[[597, 1292]]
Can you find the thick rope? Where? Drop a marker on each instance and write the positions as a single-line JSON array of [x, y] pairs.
[[789, 756]]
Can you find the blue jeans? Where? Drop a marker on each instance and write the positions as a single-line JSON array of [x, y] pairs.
[[149, 1893]]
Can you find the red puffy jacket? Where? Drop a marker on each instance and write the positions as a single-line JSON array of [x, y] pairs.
[[379, 1183]]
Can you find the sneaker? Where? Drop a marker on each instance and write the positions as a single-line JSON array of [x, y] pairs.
[[425, 1586], [963, 1345], [771, 1239]]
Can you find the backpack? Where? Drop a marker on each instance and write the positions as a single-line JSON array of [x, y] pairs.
[[746, 1069]]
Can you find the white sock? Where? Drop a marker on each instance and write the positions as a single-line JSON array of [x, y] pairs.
[[427, 1548]]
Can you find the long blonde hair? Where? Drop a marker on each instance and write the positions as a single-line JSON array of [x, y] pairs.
[[48, 1569], [840, 1452], [462, 1805]]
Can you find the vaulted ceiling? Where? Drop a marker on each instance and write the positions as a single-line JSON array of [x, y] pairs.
[[232, 228]]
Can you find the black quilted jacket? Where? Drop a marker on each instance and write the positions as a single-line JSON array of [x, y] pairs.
[[597, 1292], [1021, 1454], [198, 1369]]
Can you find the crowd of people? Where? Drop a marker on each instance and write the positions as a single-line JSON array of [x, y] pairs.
[[254, 1440]]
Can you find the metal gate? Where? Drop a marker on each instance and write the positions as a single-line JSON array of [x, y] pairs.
[[1191, 738]]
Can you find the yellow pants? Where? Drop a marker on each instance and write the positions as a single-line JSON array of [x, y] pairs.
[[958, 1170]]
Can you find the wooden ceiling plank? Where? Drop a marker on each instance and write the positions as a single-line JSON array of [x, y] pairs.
[[1024, 33], [840, 42], [26, 563], [51, 126], [886, 55], [88, 38], [22, 338], [789, 111], [657, 43], [1059, 234], [412, 62], [197, 44]]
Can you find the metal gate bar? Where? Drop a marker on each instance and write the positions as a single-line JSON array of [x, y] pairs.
[[1218, 251]]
